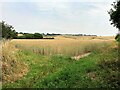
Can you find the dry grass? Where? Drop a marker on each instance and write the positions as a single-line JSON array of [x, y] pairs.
[[63, 46], [87, 37], [12, 68]]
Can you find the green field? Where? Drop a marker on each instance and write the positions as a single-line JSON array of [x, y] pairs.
[[48, 63]]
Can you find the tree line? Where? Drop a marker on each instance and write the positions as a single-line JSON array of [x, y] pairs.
[[8, 32], [30, 36]]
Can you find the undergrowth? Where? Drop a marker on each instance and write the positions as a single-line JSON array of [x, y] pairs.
[[98, 70]]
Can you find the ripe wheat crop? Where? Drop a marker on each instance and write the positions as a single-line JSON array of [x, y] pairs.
[[62, 45]]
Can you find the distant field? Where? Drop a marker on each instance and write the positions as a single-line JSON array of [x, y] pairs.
[[72, 45], [52, 63], [87, 37]]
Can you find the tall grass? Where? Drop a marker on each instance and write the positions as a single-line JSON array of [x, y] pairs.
[[96, 70], [12, 68], [67, 47]]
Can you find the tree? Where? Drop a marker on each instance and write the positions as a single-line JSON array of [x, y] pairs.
[[20, 32], [38, 36], [115, 16], [8, 31], [29, 36]]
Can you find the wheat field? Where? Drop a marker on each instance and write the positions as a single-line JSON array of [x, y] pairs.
[[61, 45]]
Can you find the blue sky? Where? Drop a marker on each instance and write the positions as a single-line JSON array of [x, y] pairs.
[[58, 16]]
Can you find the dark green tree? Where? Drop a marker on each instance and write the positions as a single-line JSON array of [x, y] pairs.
[[115, 17], [8, 31], [38, 36], [29, 36]]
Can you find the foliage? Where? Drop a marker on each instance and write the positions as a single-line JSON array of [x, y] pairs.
[[8, 31], [98, 70], [21, 37], [30, 36], [38, 36], [115, 16]]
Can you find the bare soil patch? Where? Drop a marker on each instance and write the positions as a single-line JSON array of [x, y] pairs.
[[81, 56]]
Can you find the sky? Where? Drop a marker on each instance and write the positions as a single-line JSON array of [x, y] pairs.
[[59, 16]]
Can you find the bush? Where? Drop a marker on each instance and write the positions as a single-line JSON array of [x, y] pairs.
[[110, 65]]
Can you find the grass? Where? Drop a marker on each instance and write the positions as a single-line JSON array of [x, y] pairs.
[[39, 67], [85, 73], [62, 46], [98, 70], [12, 67]]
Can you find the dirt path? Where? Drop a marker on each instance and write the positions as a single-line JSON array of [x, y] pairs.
[[80, 56]]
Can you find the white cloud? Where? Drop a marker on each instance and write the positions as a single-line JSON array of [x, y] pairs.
[[71, 21]]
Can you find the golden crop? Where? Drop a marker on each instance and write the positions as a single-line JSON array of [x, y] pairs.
[[63, 45]]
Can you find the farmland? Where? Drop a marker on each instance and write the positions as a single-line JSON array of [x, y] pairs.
[[69, 46], [48, 63]]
